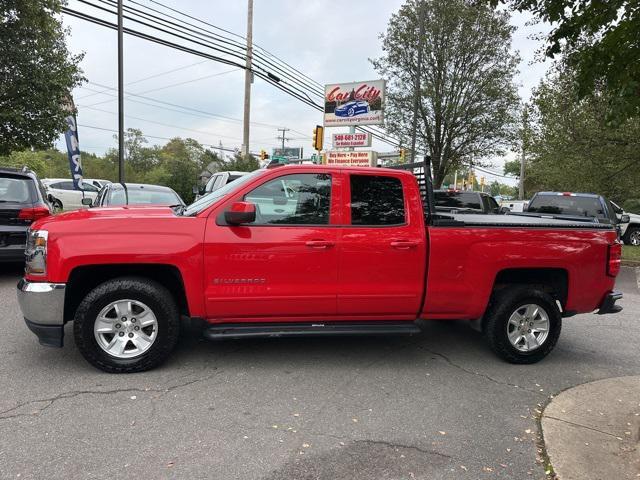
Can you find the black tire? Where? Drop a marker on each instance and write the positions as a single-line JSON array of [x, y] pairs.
[[631, 230], [503, 304], [57, 206], [152, 294]]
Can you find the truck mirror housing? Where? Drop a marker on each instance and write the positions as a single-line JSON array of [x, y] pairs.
[[240, 212], [625, 218], [87, 201], [504, 210]]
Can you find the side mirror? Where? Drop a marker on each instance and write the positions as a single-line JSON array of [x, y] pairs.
[[504, 210], [87, 201], [240, 212], [50, 198], [195, 190], [625, 218]]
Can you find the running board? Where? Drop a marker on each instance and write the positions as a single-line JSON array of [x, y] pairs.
[[263, 330]]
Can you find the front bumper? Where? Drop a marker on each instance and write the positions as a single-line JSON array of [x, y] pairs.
[[608, 305], [42, 306]]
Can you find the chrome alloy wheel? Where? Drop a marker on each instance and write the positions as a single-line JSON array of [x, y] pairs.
[[634, 238], [528, 327], [125, 328]]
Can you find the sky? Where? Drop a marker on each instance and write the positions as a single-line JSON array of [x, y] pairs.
[[330, 41]]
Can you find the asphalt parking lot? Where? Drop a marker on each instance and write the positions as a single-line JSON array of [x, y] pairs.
[[438, 405]]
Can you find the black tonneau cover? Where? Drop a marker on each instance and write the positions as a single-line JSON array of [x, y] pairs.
[[513, 221]]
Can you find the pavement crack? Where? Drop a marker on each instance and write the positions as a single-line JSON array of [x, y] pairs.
[[483, 375], [582, 426], [403, 446], [7, 414]]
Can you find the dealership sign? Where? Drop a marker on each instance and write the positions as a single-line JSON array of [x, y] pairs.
[[352, 159], [341, 140], [358, 103]]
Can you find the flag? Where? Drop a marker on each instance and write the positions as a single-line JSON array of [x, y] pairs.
[[73, 147]]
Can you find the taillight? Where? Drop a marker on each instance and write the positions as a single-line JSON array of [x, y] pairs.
[[33, 213], [613, 260]]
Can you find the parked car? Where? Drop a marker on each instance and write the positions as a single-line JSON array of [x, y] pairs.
[[352, 108], [22, 201], [460, 201], [308, 250], [219, 180], [96, 182], [63, 196], [586, 207], [515, 206], [136, 194], [630, 231]]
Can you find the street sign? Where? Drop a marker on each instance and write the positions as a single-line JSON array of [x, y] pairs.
[[358, 103], [287, 152], [343, 140], [365, 158]]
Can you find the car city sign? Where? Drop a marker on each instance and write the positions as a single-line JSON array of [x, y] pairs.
[[358, 103], [343, 140], [351, 159]]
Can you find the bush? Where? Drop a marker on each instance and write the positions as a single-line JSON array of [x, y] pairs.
[[632, 205]]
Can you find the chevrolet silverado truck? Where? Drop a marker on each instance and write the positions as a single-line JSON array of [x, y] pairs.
[[308, 250]]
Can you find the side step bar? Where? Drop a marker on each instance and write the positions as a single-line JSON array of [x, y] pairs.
[[258, 330]]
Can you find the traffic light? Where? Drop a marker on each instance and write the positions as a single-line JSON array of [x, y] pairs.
[[403, 154], [264, 155], [318, 137], [482, 181]]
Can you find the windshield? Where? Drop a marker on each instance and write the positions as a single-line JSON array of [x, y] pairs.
[[568, 205], [457, 200], [213, 197], [144, 197]]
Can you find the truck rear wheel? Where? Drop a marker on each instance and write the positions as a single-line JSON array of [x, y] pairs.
[[127, 325], [522, 324]]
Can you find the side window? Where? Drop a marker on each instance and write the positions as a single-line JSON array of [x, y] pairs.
[[57, 185], [218, 182], [87, 187], [492, 205], [376, 200], [299, 199]]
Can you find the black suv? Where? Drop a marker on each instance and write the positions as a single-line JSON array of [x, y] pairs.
[[457, 201], [22, 200]]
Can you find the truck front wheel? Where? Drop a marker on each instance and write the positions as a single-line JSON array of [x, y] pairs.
[[522, 324], [127, 325]]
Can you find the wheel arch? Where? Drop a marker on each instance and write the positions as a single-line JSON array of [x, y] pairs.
[[85, 278], [554, 281]]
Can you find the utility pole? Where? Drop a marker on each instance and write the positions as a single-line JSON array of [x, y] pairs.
[[416, 88], [248, 78], [521, 182], [120, 97], [283, 138]]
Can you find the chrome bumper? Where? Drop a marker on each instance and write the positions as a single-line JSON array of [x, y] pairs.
[[42, 303]]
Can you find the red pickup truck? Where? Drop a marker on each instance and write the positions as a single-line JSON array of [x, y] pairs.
[[308, 250]]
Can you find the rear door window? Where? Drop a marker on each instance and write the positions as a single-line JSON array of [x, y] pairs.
[[376, 200]]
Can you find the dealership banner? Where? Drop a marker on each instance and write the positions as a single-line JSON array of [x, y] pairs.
[[343, 140], [366, 158], [358, 103], [73, 147]]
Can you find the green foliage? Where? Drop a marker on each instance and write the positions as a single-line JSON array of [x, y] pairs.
[[468, 99], [573, 146], [512, 167], [36, 74], [632, 205], [599, 39], [248, 163], [496, 188]]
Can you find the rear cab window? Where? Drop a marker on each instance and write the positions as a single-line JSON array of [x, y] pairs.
[[589, 207], [459, 201]]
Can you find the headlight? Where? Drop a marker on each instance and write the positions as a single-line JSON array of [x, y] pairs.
[[36, 252]]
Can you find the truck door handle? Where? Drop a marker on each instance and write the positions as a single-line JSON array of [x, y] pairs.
[[319, 244], [403, 244]]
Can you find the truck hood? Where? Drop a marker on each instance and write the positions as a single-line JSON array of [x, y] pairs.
[[133, 212]]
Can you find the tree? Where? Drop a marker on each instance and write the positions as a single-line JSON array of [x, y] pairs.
[[574, 148], [468, 99], [599, 39], [247, 163], [37, 72]]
